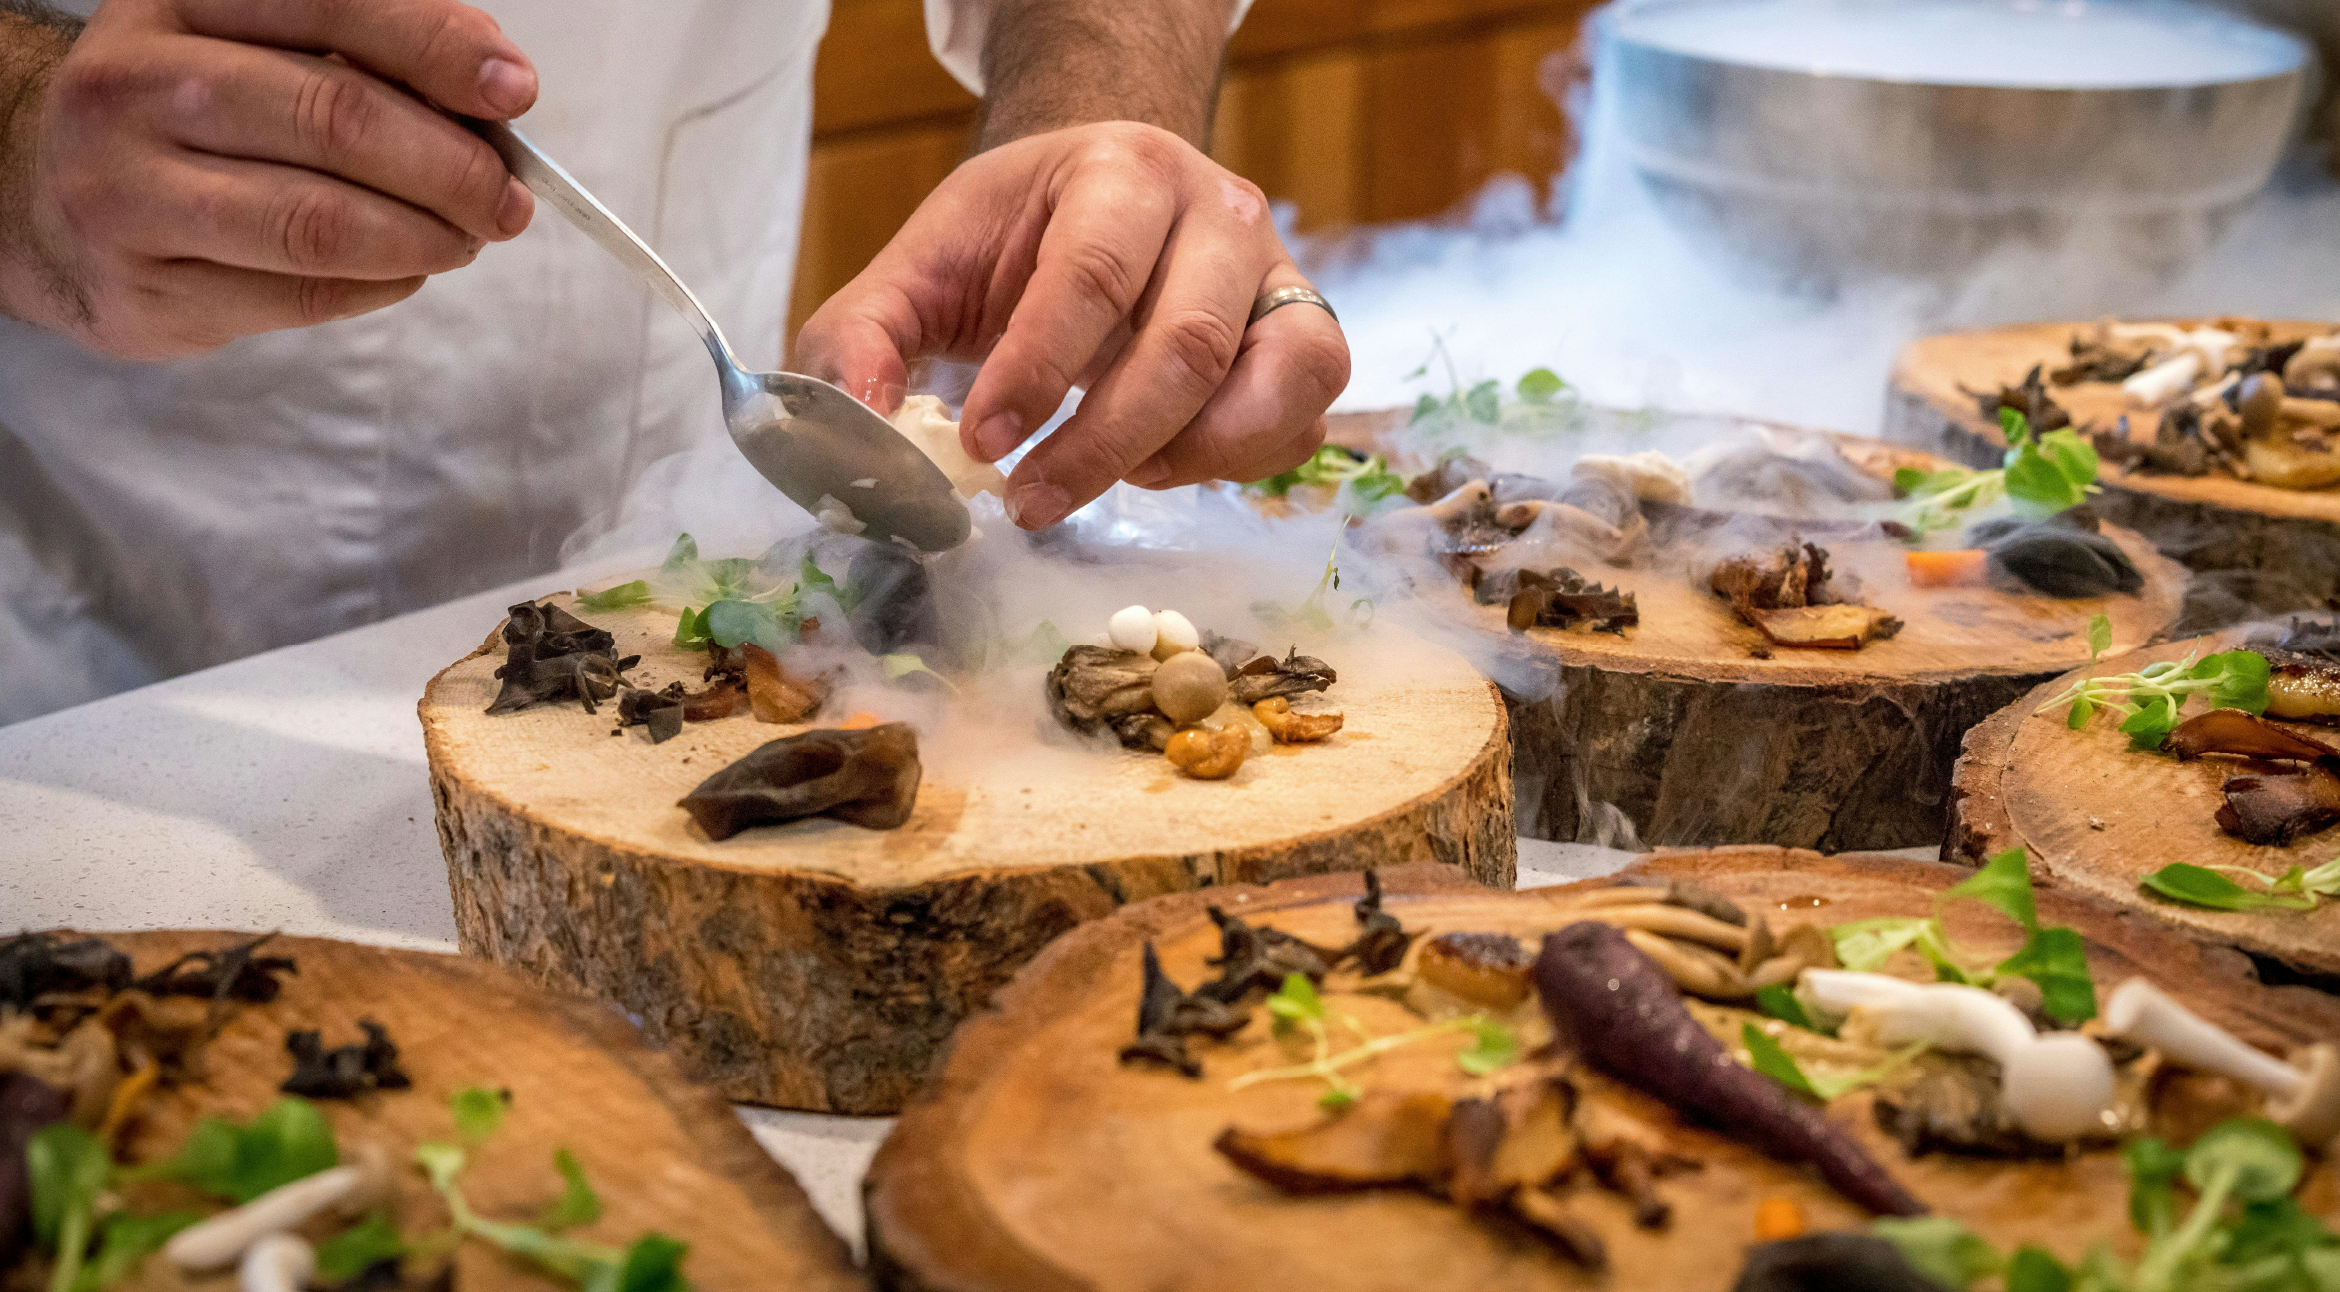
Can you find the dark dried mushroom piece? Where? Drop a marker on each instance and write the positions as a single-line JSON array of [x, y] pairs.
[[345, 1071], [1260, 958], [236, 973], [1092, 686], [1691, 895], [867, 777], [1267, 676], [33, 965], [553, 655], [2059, 557], [2279, 808], [1831, 1262], [661, 711], [2031, 399], [1167, 1015], [1229, 653], [1143, 731], [1562, 598], [1954, 1106], [1789, 597], [1381, 941]]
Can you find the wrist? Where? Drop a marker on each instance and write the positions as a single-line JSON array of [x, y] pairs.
[[1053, 64], [33, 42]]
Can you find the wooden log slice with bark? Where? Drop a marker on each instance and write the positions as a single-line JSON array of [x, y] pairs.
[[2097, 817], [2268, 551], [1679, 733], [664, 1153], [1037, 1162], [822, 966]]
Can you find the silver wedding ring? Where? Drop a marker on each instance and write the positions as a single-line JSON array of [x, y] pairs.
[[1269, 302]]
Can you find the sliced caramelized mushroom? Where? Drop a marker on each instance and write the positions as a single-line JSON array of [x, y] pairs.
[[776, 694], [1489, 970], [1517, 1138], [1289, 728], [2278, 808], [1383, 1140], [1552, 1218], [2231, 731]]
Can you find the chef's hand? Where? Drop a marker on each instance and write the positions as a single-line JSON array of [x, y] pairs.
[[192, 171], [1115, 257]]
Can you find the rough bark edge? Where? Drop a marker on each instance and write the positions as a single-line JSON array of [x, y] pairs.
[[707, 1121], [1981, 825], [914, 1189], [896, 968]]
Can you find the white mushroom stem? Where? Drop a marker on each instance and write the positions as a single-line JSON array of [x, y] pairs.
[[276, 1263], [215, 1243], [2054, 1087], [2304, 1101], [2216, 390], [2163, 381]]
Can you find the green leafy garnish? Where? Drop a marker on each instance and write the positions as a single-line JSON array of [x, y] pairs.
[[578, 1203], [811, 578], [1779, 1001], [1483, 402], [1768, 1057], [2149, 699], [2099, 635], [1311, 614], [1539, 386], [2041, 475], [623, 595], [898, 666], [124, 1243], [2191, 885], [479, 1111], [1366, 480], [289, 1141], [2034, 1269], [2053, 958], [359, 1247], [769, 624], [1296, 1007], [67, 1168], [1492, 1046], [1469, 413], [1941, 1248]]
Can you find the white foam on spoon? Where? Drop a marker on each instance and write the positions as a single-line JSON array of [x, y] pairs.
[[2031, 43]]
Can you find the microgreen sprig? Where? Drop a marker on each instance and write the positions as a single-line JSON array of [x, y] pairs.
[[2041, 475], [2149, 699], [1366, 480], [1296, 1005], [2052, 956]]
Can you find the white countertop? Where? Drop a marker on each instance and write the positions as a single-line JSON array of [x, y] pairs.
[[289, 791]]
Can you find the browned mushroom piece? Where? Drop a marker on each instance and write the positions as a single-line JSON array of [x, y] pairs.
[[867, 777], [776, 694], [1207, 755], [1517, 1138], [1384, 1140], [1267, 677], [1094, 685], [1289, 728]]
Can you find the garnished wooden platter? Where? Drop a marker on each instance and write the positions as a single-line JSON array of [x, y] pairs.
[[1679, 731], [1037, 1161], [2097, 816], [664, 1153], [2274, 550], [823, 966]]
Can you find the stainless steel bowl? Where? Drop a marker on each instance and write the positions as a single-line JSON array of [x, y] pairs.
[[1813, 174]]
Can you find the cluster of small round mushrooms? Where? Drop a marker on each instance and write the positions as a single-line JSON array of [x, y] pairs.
[[1188, 686]]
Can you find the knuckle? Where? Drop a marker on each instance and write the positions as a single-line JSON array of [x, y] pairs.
[[314, 229], [335, 113], [322, 300], [1149, 149], [1201, 345], [97, 86], [1101, 275], [1319, 363], [479, 180]]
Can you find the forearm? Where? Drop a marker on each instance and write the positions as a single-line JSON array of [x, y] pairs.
[[33, 39], [1048, 64]]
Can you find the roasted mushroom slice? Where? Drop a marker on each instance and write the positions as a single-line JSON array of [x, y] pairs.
[[1384, 1140], [867, 778], [1267, 676], [1093, 685], [1488, 970]]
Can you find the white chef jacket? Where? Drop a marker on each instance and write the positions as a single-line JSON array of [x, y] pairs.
[[157, 518]]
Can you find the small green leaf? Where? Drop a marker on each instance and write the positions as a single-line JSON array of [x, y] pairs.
[[652, 1263], [125, 1242], [2242, 678], [732, 624], [2083, 709], [2073, 456], [1492, 1046], [2004, 883], [2099, 636], [478, 1112], [1426, 406], [2264, 1158], [2057, 960], [364, 1244], [2015, 427], [898, 666], [578, 1203], [1540, 385], [1863, 945], [2277, 1227], [690, 632], [441, 1162], [1779, 1001], [2149, 727], [811, 577], [1045, 645], [1484, 402], [2153, 1171], [1296, 999], [1940, 1248], [623, 595], [1907, 479], [1336, 1099], [2040, 484], [681, 556], [67, 1168], [1765, 1056], [2032, 1269], [2192, 885], [288, 1141]]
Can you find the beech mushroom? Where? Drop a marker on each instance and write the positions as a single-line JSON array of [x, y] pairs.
[[1207, 755], [2304, 1102], [2193, 354], [2316, 365], [1132, 628], [1289, 728], [1173, 632], [277, 1263], [350, 1188], [2055, 1087], [1189, 687]]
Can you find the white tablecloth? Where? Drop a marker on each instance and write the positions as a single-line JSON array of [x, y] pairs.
[[288, 791]]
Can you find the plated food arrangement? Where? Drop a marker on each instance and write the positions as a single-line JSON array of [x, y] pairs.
[[695, 793], [1744, 1069], [1777, 635], [212, 1110], [2194, 781], [2217, 437]]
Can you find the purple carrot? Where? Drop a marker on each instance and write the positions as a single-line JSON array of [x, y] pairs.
[[1626, 1018]]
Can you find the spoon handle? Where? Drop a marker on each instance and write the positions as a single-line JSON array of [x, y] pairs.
[[547, 180]]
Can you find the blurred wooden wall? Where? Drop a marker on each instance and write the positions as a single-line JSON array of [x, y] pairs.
[[1359, 111]]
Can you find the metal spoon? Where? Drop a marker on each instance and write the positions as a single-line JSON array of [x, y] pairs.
[[806, 436]]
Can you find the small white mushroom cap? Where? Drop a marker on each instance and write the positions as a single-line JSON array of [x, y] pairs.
[[1132, 628], [277, 1263], [2058, 1087], [1173, 632]]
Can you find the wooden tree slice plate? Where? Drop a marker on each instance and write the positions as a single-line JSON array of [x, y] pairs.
[[664, 1153], [822, 966], [2275, 550], [2098, 817], [1681, 731], [1036, 1161]]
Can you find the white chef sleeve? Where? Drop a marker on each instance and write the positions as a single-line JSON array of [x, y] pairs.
[[955, 29]]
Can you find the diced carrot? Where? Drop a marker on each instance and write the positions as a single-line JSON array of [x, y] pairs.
[[1947, 569], [860, 720], [1778, 1218]]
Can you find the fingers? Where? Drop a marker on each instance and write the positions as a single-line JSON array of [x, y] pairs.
[[324, 115], [252, 215], [1094, 262], [1268, 415], [450, 53], [856, 340], [198, 307]]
